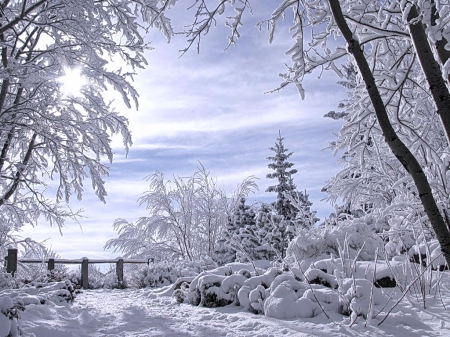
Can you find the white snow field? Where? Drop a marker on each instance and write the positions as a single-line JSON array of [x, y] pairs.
[[145, 312]]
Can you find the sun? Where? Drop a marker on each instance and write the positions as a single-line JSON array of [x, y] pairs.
[[72, 82]]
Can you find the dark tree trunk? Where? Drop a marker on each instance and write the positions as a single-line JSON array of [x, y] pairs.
[[431, 68], [399, 149]]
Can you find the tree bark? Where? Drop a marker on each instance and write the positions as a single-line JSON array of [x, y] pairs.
[[399, 149], [19, 174], [442, 53], [430, 67]]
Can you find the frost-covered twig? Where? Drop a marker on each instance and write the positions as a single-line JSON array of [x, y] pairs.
[[408, 288], [370, 311]]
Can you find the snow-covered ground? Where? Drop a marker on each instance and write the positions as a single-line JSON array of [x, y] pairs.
[[145, 312]]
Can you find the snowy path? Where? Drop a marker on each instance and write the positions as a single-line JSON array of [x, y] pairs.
[[102, 313]]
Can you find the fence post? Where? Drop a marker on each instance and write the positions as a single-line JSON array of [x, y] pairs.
[[85, 273], [11, 262], [51, 264], [119, 270]]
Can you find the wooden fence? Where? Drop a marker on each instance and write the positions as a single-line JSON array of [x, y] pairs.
[[11, 261]]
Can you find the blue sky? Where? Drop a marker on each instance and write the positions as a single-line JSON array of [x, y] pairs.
[[210, 108]]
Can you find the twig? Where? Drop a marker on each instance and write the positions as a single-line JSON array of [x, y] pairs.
[[407, 289], [370, 310]]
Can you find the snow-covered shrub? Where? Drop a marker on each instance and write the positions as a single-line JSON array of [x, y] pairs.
[[211, 294], [9, 316], [324, 240], [291, 297], [358, 293], [216, 288], [334, 287], [318, 276], [264, 280], [63, 291], [165, 273], [56, 275], [428, 253], [14, 300], [286, 301], [329, 299], [111, 281], [180, 294], [38, 272]]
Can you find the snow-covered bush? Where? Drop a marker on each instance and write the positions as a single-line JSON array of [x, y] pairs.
[[428, 253], [9, 317], [165, 273], [333, 286], [358, 294], [35, 293], [325, 240], [318, 276], [12, 301], [215, 288], [287, 301], [254, 290]]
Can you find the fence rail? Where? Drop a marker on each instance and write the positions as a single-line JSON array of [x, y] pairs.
[[11, 261]]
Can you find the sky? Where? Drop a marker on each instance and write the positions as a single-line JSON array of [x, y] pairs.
[[212, 108]]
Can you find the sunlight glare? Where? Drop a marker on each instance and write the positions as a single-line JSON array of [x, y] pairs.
[[72, 82]]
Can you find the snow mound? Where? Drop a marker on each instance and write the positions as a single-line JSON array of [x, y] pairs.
[[14, 300], [284, 303]]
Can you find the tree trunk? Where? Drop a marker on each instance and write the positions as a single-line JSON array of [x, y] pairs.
[[442, 53], [430, 67], [399, 149], [20, 170]]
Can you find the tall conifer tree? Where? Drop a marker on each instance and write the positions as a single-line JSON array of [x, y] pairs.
[[292, 208], [283, 172]]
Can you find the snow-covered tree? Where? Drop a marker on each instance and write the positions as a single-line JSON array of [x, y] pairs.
[[241, 232], [223, 252], [283, 172], [292, 209], [276, 232], [186, 218], [385, 41], [48, 132], [306, 217], [264, 219]]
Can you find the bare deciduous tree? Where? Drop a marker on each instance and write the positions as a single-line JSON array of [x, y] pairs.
[[186, 217]]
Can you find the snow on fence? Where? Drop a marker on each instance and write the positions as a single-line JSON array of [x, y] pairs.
[[11, 261]]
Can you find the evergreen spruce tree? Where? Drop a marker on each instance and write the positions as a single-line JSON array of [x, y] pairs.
[[306, 217], [223, 252], [292, 210], [241, 233], [283, 172], [263, 219]]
